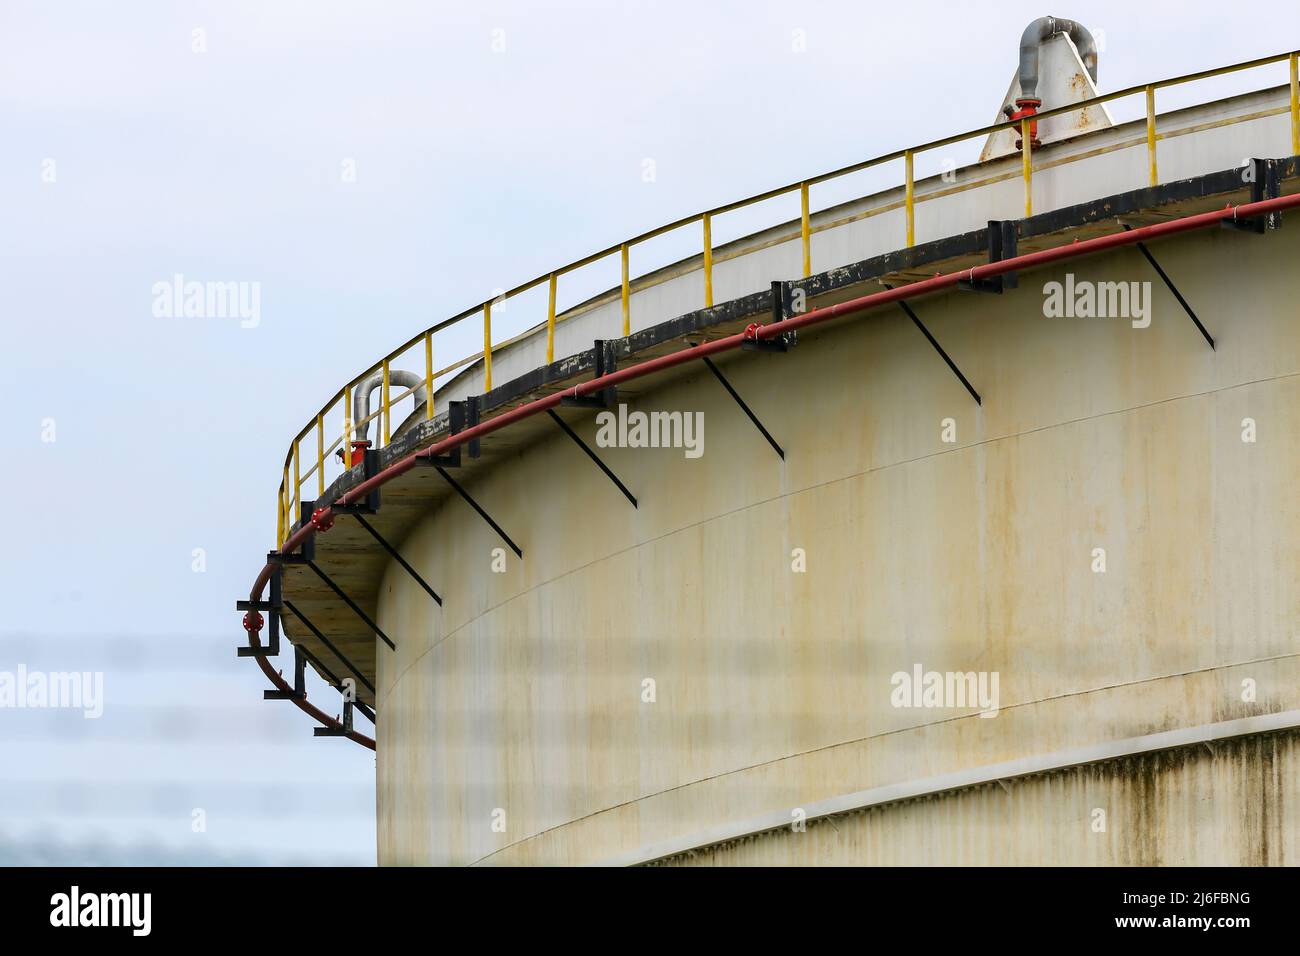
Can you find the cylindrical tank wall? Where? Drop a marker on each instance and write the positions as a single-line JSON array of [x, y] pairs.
[[515, 724]]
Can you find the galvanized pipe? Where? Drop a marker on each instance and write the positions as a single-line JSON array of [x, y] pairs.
[[366, 388], [1040, 30]]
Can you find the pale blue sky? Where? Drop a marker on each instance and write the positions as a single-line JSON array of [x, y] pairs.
[[476, 170]]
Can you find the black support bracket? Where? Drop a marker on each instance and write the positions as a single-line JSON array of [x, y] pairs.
[[253, 611], [302, 656], [472, 406], [337, 731], [369, 468], [332, 649], [1264, 184], [780, 312], [481, 513], [299, 691], [592, 455], [606, 361], [392, 553], [743, 407], [350, 603], [330, 677], [1001, 245], [456, 414], [1169, 284], [916, 320]]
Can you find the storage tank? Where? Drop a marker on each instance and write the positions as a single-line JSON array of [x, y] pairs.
[[953, 524]]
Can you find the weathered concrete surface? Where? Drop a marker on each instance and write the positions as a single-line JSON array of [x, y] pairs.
[[524, 693]]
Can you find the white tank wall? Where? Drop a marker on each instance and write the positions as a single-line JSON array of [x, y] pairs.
[[523, 693]]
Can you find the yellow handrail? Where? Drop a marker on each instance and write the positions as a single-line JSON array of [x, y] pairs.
[[1295, 106], [708, 261], [1151, 134], [347, 423], [550, 323], [290, 493], [1027, 167], [805, 232], [428, 376], [487, 346], [320, 454], [627, 312], [909, 199], [386, 404]]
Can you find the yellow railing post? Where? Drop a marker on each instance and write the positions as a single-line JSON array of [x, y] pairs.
[[1151, 134], [347, 426], [428, 376], [627, 314], [320, 454], [708, 261], [384, 402], [1027, 167], [285, 521], [805, 230], [909, 199], [279, 517], [1295, 106], [550, 323], [298, 481], [487, 346]]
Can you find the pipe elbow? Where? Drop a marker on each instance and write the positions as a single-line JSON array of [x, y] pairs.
[[365, 390], [1042, 29], [1083, 42]]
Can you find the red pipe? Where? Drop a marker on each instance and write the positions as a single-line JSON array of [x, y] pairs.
[[770, 331]]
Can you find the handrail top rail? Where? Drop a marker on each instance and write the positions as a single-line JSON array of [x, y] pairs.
[[774, 193]]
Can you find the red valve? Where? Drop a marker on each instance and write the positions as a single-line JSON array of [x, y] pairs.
[[354, 455], [320, 521], [1028, 106], [253, 622], [751, 331]]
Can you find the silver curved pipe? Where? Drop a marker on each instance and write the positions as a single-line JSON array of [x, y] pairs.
[[1040, 30], [361, 398]]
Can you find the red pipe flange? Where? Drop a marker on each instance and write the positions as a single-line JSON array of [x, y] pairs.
[[322, 520]]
